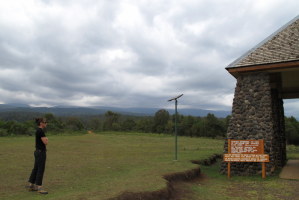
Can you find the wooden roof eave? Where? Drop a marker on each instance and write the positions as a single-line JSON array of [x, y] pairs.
[[263, 67]]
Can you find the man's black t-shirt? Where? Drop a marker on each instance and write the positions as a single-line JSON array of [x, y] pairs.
[[38, 141]]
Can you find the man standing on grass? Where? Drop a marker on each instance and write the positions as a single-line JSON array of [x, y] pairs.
[[37, 174]]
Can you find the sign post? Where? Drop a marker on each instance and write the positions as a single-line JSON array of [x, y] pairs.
[[246, 151], [228, 164]]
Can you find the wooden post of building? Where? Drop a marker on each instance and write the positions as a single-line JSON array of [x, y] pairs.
[[228, 163]]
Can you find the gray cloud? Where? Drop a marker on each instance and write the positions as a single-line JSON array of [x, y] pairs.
[[129, 53]]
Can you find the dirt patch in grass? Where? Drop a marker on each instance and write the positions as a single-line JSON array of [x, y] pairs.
[[170, 192], [183, 190], [164, 194], [174, 189]]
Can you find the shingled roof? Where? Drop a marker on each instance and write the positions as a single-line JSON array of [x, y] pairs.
[[280, 47]]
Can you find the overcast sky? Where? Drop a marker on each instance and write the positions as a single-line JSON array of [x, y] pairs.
[[130, 53]]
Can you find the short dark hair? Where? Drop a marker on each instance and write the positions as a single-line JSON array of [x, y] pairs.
[[39, 120]]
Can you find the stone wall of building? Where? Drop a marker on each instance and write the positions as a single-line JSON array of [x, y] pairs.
[[257, 113]]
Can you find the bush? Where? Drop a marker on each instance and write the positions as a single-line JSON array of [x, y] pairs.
[[3, 132]]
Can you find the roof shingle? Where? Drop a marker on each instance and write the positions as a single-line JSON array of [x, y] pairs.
[[281, 46]]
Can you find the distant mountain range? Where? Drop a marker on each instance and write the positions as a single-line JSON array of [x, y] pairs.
[[99, 110]]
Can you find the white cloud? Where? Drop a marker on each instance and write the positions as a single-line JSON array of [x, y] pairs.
[[129, 17], [129, 52]]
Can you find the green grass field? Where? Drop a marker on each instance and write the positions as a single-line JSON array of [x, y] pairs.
[[98, 166], [214, 186], [101, 166]]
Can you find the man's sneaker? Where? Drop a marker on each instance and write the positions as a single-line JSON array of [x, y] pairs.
[[31, 187], [42, 191]]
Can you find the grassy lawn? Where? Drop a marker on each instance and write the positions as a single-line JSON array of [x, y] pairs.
[[98, 166], [214, 186]]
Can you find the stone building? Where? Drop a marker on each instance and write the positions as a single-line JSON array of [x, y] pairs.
[[265, 75]]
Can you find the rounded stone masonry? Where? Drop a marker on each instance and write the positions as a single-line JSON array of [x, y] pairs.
[[257, 113]]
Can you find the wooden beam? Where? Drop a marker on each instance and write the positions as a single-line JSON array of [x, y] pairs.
[[294, 95], [264, 67]]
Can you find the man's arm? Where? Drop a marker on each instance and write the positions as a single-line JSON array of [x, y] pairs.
[[45, 140]]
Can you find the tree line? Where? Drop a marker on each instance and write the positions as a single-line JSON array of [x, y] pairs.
[[161, 122]]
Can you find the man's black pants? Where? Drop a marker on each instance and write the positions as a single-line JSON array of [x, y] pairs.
[[37, 173]]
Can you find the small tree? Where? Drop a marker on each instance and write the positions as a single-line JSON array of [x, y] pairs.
[[74, 124], [128, 125], [54, 124], [145, 125], [160, 121], [95, 124], [111, 121], [214, 127]]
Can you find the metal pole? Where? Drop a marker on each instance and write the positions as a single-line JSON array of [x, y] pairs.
[[175, 126], [176, 131]]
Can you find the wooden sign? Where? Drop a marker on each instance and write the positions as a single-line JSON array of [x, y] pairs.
[[246, 151]]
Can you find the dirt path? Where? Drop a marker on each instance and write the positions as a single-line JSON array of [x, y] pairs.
[[290, 170]]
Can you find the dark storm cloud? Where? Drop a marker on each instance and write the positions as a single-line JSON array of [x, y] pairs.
[[129, 52]]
